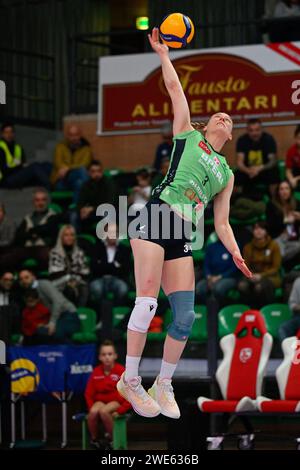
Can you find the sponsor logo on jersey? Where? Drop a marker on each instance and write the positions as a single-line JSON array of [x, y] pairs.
[[196, 186], [115, 377], [192, 196], [204, 147], [212, 166]]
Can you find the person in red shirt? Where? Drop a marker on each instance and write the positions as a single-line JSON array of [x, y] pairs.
[[103, 400], [292, 162], [34, 317]]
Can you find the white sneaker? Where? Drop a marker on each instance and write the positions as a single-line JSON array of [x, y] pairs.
[[162, 392], [141, 402]]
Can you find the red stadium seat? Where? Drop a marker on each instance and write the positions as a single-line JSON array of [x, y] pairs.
[[240, 374], [288, 379]]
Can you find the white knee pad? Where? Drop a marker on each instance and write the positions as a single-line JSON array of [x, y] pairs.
[[142, 314]]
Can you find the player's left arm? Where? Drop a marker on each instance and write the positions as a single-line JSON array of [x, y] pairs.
[[223, 228]]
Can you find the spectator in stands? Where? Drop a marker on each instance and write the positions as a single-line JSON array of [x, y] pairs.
[[164, 166], [291, 327], [35, 318], [102, 397], [71, 160], [14, 173], [256, 160], [63, 320], [262, 255], [140, 193], [99, 189], [220, 273], [292, 162], [7, 230], [283, 217], [110, 266], [9, 309], [6, 284], [68, 267], [286, 8], [165, 148], [35, 234]]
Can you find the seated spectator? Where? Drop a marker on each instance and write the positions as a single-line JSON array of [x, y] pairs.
[[262, 256], [64, 321], [256, 160], [165, 148], [71, 160], [292, 162], [99, 189], [283, 217], [110, 266], [35, 234], [6, 284], [7, 230], [163, 170], [286, 8], [14, 173], [140, 194], [220, 273], [68, 267], [102, 397], [35, 318], [9, 309], [291, 327]]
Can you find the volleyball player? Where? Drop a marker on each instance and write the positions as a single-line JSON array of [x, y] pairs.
[[198, 173]]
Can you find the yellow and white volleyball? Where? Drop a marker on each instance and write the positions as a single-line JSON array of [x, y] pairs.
[[25, 376]]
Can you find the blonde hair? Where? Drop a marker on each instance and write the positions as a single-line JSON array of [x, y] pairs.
[[59, 243]]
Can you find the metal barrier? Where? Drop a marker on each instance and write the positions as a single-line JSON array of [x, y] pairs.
[[30, 87], [84, 53]]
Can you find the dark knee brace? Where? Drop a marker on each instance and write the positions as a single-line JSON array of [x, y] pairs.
[[182, 305]]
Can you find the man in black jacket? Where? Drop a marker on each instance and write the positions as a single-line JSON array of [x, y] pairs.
[[10, 318], [110, 267], [99, 189], [34, 236]]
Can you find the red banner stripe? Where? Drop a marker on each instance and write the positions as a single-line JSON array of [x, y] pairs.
[[287, 50]]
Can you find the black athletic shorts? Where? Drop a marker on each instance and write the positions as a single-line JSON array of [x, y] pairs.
[[168, 229]]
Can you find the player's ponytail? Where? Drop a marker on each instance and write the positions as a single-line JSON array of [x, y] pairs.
[[199, 126]]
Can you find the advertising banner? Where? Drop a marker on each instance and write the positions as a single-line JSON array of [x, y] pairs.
[[247, 81]]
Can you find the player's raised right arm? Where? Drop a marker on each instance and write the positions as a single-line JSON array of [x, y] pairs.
[[182, 119]]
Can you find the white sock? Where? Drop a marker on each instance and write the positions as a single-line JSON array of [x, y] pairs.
[[132, 367], [167, 370]]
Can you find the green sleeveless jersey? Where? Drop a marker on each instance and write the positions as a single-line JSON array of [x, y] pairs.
[[195, 175]]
